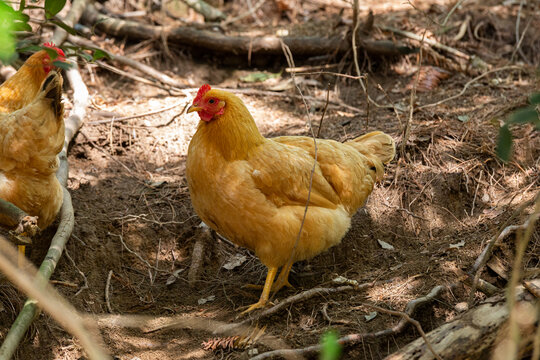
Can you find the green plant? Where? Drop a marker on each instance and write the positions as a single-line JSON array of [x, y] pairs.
[[528, 114], [331, 348]]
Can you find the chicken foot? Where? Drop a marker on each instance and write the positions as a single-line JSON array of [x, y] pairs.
[[263, 300]]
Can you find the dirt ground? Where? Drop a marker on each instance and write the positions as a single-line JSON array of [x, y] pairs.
[[441, 200]]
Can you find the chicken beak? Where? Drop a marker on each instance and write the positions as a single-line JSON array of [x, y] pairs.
[[193, 108]]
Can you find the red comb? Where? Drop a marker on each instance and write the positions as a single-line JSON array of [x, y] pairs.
[[203, 90], [53, 46]]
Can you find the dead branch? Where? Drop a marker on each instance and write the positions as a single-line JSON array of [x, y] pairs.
[[238, 45], [145, 69], [209, 12], [469, 337], [483, 258], [74, 14], [11, 216], [125, 118], [75, 119], [355, 338], [197, 255]]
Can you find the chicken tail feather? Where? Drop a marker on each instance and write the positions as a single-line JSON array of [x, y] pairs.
[[52, 89], [378, 147]]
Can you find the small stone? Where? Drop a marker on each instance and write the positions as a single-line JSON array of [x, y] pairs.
[[461, 307]]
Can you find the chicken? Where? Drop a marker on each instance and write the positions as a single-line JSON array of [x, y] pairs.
[[22, 88], [30, 140], [254, 190]]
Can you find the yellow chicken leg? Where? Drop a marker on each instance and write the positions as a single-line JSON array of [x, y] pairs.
[[266, 291], [20, 258], [283, 278]]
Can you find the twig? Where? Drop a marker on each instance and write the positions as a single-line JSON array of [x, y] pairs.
[[428, 41], [510, 67], [324, 111], [308, 294], [519, 38], [523, 238], [106, 153], [463, 28], [486, 253], [137, 254], [355, 338], [148, 70], [125, 118], [107, 287], [407, 318], [456, 5], [355, 57], [131, 76], [85, 286], [288, 54], [408, 124]]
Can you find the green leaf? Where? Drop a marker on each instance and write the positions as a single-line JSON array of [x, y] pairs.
[[524, 115], [504, 143], [62, 65], [7, 38], [85, 56], [53, 7], [21, 26], [100, 54], [331, 349], [463, 118], [259, 77], [535, 98], [52, 52], [29, 48]]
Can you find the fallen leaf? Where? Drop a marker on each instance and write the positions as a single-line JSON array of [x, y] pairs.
[[457, 245], [370, 316], [385, 245], [173, 277], [235, 261], [259, 77], [203, 301]]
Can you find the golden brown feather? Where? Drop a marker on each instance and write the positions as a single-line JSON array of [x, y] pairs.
[[30, 140], [254, 190]]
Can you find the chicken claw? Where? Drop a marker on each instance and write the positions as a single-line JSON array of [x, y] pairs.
[[272, 271]]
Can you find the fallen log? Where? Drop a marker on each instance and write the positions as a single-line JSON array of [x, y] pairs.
[[238, 45], [475, 334]]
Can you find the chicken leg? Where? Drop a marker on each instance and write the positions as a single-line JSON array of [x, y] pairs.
[[272, 271], [283, 278]]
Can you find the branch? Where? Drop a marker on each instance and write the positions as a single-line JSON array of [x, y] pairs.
[[148, 70], [72, 17], [238, 45], [75, 119], [355, 338], [473, 334]]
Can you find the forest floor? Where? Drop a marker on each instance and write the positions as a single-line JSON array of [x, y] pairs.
[[442, 199]]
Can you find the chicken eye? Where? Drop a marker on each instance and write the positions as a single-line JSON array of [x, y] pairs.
[[211, 101]]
